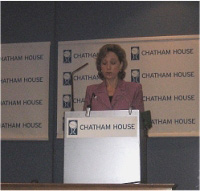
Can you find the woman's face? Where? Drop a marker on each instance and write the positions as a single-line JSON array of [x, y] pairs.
[[111, 66]]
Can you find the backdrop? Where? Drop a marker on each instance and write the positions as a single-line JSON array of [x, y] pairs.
[[25, 91], [167, 67]]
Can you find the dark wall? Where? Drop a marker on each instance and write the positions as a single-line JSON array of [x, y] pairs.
[[25, 161], [170, 160]]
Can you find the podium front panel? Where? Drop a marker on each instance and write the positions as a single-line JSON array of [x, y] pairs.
[[98, 160]]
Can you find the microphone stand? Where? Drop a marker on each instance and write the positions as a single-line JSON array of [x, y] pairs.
[[72, 86]]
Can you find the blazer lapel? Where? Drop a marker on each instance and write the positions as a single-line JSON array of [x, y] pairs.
[[102, 95], [120, 93]]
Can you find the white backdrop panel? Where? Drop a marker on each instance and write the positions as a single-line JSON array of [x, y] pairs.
[[25, 91], [167, 67]]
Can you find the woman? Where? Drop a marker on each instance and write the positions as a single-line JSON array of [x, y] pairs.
[[113, 93]]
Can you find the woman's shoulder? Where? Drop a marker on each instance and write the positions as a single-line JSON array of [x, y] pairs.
[[94, 86], [132, 84]]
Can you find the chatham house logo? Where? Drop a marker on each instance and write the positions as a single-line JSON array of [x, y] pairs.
[[73, 127], [135, 53], [67, 101], [135, 75], [67, 78], [67, 56]]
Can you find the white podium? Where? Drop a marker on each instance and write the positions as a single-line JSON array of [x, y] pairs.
[[102, 148]]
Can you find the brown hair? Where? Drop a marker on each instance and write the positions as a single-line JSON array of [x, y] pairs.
[[121, 54]]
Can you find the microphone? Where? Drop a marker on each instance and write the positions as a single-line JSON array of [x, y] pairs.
[[89, 106], [130, 109], [79, 68], [72, 86]]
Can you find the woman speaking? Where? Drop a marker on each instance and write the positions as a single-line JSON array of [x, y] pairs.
[[113, 93]]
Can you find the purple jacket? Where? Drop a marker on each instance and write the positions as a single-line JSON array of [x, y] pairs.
[[126, 94]]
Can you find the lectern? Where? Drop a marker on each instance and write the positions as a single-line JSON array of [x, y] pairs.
[[104, 147]]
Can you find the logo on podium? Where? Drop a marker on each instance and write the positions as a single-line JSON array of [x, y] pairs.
[[73, 127]]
